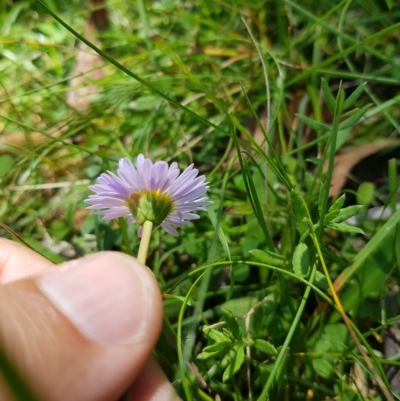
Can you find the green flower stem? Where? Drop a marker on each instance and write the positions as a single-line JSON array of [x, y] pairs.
[[145, 241]]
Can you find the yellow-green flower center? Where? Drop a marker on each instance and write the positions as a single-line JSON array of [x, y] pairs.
[[151, 206]]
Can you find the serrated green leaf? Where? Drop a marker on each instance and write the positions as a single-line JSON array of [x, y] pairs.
[[345, 228], [329, 99], [215, 335], [301, 260], [235, 365], [354, 118], [354, 96], [223, 345], [268, 257], [330, 216], [338, 203], [231, 324], [205, 356], [346, 213], [302, 218], [322, 367], [212, 351], [315, 125], [265, 346]]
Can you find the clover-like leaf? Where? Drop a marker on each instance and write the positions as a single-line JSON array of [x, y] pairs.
[[301, 260]]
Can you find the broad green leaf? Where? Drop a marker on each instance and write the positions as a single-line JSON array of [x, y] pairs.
[[365, 193], [231, 324], [329, 99], [301, 260], [302, 218], [346, 213], [235, 365], [240, 306], [315, 125], [320, 281], [337, 334], [338, 203], [322, 367], [215, 335], [241, 272], [265, 346], [345, 228], [268, 257], [354, 96]]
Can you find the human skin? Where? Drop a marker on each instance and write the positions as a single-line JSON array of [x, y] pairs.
[[82, 330]]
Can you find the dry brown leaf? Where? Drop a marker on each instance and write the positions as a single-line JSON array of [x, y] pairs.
[[359, 381], [19, 138], [348, 157]]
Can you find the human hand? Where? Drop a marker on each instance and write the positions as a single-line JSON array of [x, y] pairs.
[[83, 330]]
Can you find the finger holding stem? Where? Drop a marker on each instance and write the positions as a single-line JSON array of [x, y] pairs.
[[145, 241]]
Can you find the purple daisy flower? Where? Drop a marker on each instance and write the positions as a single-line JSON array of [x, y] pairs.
[[151, 191]]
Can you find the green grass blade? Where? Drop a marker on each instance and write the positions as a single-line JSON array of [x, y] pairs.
[[129, 72]]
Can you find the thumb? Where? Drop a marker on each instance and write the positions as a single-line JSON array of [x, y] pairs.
[[84, 329]]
